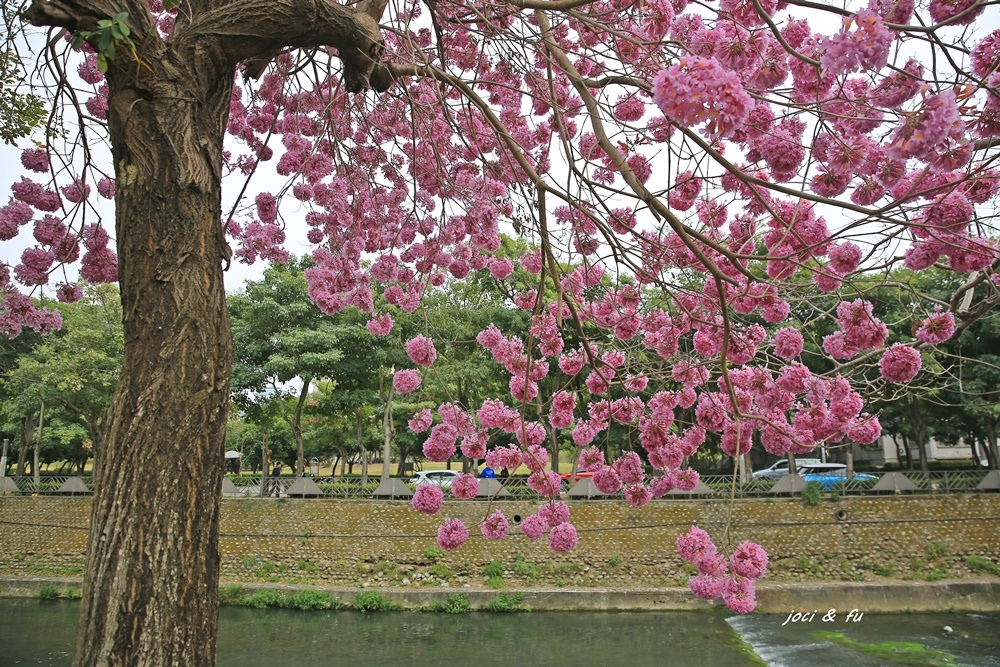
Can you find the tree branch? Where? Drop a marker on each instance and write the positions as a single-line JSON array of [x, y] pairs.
[[260, 28]]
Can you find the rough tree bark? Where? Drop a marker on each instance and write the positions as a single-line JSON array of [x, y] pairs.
[[151, 584]]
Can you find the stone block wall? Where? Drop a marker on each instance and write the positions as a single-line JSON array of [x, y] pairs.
[[347, 542]]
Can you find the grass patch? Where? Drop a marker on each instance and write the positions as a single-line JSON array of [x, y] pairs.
[[527, 570], [507, 602], [441, 571], [493, 569], [494, 582], [311, 600], [982, 566], [373, 601], [434, 553]]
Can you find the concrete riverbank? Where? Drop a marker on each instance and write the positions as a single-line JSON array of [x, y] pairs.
[[981, 595]]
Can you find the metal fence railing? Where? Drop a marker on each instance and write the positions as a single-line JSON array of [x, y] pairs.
[[719, 486]]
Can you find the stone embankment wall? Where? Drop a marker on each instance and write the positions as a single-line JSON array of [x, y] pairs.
[[386, 543]]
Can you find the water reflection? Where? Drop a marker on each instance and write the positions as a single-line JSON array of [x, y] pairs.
[[42, 633]]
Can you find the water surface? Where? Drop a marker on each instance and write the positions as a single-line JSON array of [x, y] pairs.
[[33, 632]]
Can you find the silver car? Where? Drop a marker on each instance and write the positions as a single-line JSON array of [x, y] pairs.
[[779, 468], [442, 478]]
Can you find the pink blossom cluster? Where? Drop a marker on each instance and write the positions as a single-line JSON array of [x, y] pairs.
[[700, 90], [866, 47], [731, 579], [452, 534], [900, 363], [860, 330], [427, 498]]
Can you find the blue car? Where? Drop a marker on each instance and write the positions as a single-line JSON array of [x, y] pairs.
[[835, 478]]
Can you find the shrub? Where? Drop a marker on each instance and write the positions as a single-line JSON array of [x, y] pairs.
[[494, 582], [366, 601], [813, 494], [48, 592], [262, 599], [457, 603], [310, 600], [73, 593], [231, 594]]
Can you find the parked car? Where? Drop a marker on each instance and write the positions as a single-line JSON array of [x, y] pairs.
[[442, 478], [580, 474], [831, 479], [779, 468]]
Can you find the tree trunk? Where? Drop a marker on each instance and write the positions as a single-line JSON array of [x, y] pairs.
[[22, 452], [992, 451], [38, 443], [387, 432], [296, 424], [150, 592]]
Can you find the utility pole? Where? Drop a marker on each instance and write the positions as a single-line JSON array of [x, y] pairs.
[[3, 458]]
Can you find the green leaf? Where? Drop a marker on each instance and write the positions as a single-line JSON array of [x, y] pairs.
[[104, 42], [102, 64]]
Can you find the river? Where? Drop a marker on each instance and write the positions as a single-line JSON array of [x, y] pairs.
[[34, 632]]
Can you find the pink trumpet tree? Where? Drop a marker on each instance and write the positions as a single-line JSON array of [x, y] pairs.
[[684, 173]]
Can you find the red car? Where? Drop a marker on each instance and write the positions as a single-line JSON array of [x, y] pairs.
[[568, 476]]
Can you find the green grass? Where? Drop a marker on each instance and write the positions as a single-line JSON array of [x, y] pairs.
[[506, 602], [982, 566], [493, 569], [457, 603]]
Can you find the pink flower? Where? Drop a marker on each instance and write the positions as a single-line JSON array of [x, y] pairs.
[[942, 10], [428, 498], [866, 48], [694, 543], [406, 381], [637, 495], [865, 430], [707, 588], [844, 258], [554, 513], [937, 328], [35, 159], [534, 526], [563, 538], [495, 526], [740, 595], [421, 350], [500, 268], [697, 90], [452, 534], [465, 486], [900, 363], [267, 207], [607, 481], [591, 459], [106, 188], [421, 421], [545, 483], [440, 446], [749, 560], [380, 325], [787, 343]]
